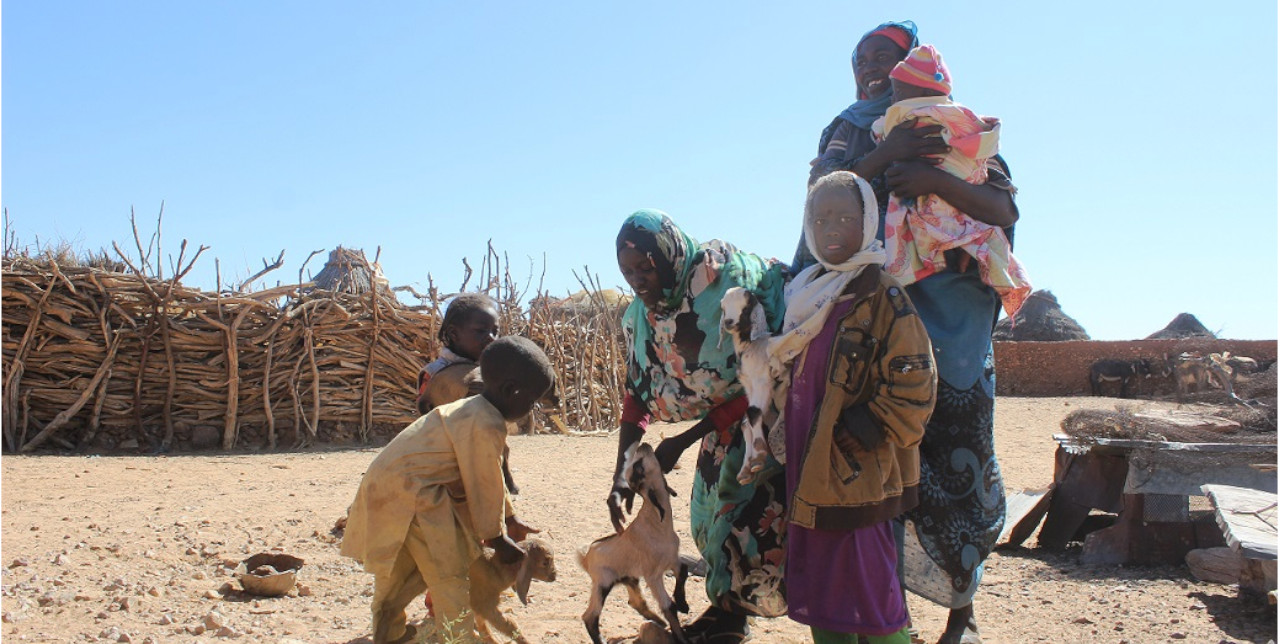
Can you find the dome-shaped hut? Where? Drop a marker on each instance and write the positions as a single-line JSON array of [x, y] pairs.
[[1039, 320], [1183, 326]]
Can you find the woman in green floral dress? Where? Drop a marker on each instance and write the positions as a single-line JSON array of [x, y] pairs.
[[679, 368]]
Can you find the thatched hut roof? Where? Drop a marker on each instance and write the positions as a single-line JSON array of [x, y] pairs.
[[1183, 326], [1039, 320], [582, 303], [348, 271]]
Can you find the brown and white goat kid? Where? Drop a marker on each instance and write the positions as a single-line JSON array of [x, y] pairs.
[[490, 578], [743, 318], [646, 549]]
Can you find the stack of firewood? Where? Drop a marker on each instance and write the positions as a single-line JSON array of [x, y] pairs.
[[96, 357]]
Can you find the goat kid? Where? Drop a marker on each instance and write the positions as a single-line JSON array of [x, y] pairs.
[[1220, 372], [489, 578], [1189, 373], [743, 318], [646, 549], [1240, 365]]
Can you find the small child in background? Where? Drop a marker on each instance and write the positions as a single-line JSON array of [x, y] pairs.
[[435, 494], [919, 232], [862, 388], [470, 324]]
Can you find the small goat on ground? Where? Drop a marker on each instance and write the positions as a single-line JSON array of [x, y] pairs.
[[1220, 372], [743, 318], [646, 549], [1193, 372], [1239, 365], [490, 578], [1188, 373]]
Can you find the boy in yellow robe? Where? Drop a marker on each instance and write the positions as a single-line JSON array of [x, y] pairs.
[[435, 494]]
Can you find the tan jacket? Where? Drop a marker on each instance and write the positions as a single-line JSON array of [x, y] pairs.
[[882, 362]]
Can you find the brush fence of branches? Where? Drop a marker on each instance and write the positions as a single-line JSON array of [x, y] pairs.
[[99, 359]]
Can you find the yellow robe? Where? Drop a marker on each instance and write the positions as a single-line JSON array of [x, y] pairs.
[[434, 492], [450, 459]]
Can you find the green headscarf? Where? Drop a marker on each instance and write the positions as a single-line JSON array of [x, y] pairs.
[[678, 364]]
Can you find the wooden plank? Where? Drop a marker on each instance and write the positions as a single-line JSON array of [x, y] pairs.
[[1082, 482], [1184, 473], [1073, 443], [1247, 518], [1022, 514]]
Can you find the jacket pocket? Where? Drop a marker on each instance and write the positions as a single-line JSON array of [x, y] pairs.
[[910, 378], [851, 359], [843, 456]]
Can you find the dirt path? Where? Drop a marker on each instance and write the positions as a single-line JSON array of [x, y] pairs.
[[136, 549]]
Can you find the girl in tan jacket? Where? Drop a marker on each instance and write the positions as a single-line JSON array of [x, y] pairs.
[[862, 388]]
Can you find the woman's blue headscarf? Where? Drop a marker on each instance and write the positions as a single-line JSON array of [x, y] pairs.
[[866, 110]]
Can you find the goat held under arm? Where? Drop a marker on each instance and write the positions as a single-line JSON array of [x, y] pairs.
[[743, 317]]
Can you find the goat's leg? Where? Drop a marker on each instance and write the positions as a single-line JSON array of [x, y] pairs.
[[756, 447], [659, 591], [591, 618], [491, 615], [636, 600], [681, 604], [482, 627]]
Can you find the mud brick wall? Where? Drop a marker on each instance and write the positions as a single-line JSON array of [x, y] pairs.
[[1062, 368]]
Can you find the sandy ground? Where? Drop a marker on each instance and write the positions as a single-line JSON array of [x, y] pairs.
[[141, 549]]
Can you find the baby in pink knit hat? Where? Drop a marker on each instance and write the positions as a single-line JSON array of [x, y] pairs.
[[918, 232]]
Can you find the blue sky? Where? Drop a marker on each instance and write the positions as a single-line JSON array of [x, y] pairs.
[[1142, 136]]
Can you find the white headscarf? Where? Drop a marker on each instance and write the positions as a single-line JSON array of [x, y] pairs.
[[811, 295]]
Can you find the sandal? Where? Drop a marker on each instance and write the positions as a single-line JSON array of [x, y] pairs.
[[727, 628], [706, 621]]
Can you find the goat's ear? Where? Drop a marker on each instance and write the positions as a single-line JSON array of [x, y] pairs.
[[653, 498], [671, 491], [759, 323], [745, 317], [524, 577]]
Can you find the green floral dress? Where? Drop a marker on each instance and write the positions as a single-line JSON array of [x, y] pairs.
[[680, 368]]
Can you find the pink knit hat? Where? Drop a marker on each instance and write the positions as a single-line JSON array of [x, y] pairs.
[[923, 67]]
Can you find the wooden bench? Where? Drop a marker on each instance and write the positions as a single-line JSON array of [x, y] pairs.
[[1248, 521], [1147, 485]]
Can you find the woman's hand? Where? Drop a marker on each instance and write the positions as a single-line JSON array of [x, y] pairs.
[[907, 142], [620, 496], [985, 203], [911, 179]]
